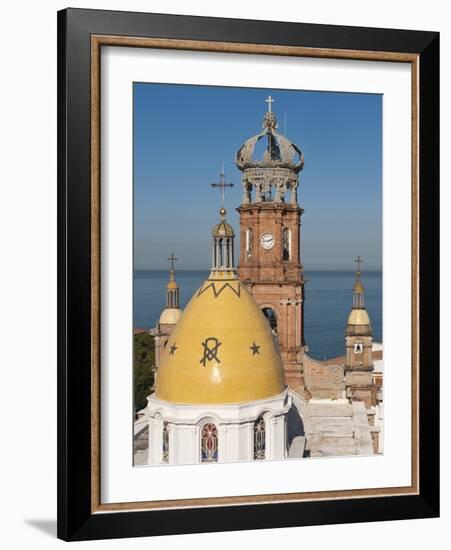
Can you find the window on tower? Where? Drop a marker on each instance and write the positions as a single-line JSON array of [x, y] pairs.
[[286, 252], [358, 347], [271, 317], [249, 243]]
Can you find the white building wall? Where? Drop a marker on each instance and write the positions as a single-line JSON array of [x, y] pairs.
[[235, 424]]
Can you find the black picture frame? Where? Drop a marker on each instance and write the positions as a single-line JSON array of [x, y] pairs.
[[76, 520]]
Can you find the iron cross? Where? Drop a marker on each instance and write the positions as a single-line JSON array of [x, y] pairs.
[[358, 261], [172, 259], [222, 185]]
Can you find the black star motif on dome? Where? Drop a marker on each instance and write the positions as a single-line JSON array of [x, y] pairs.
[[211, 347], [255, 349], [173, 348]]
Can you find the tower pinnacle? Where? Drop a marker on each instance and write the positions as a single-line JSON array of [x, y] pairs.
[[358, 321], [172, 287], [222, 264], [358, 261], [358, 289], [172, 259], [222, 185], [269, 100], [273, 175]]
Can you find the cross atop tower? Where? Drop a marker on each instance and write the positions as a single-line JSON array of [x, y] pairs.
[[269, 100], [172, 259], [358, 261], [222, 185]]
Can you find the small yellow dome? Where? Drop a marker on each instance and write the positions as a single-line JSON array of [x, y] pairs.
[[359, 317], [170, 316], [223, 229], [358, 287], [221, 351], [172, 285]]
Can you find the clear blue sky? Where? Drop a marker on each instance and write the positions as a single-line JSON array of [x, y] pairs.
[[183, 133]]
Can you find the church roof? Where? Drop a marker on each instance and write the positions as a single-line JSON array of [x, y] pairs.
[[223, 229], [170, 316], [359, 317], [221, 350], [280, 152]]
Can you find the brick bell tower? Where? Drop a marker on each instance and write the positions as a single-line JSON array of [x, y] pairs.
[[270, 221]]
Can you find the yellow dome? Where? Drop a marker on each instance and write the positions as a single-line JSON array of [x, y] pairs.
[[223, 229], [170, 316], [358, 317], [221, 350], [172, 285]]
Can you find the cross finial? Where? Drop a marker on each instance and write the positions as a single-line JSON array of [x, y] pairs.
[[358, 261], [222, 185], [269, 100], [172, 259]]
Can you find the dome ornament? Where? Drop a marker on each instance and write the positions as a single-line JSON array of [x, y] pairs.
[[222, 185], [269, 100], [172, 259], [358, 261]]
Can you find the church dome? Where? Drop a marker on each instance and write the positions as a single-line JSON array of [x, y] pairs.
[[359, 317], [223, 229], [221, 350], [170, 316], [279, 153]]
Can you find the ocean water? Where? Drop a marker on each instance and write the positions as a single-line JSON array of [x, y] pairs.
[[328, 300]]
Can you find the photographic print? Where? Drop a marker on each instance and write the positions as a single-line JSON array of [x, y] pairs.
[[257, 274], [247, 239]]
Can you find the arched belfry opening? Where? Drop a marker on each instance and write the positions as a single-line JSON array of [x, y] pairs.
[[271, 317], [286, 245]]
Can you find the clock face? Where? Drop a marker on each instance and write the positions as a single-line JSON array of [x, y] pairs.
[[267, 241]]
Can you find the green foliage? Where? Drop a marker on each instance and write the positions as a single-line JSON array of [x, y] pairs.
[[143, 361]]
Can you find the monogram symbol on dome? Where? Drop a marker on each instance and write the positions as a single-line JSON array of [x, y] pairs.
[[211, 347]]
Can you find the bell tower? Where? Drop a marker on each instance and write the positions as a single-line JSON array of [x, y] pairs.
[[270, 221], [359, 343]]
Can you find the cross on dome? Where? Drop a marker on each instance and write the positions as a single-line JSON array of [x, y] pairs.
[[222, 185], [358, 261], [269, 100], [172, 259]]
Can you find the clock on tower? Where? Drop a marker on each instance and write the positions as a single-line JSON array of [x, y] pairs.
[[270, 220]]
